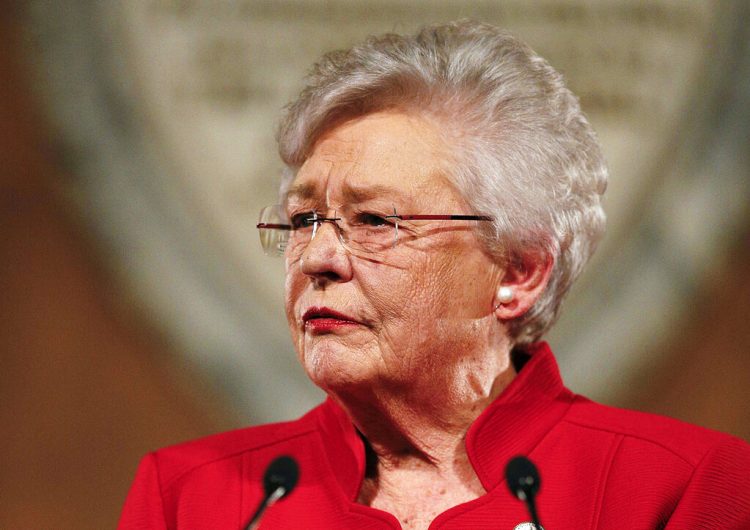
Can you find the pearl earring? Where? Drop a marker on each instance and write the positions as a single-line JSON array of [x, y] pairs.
[[504, 295]]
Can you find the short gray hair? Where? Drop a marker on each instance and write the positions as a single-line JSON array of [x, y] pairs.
[[523, 150]]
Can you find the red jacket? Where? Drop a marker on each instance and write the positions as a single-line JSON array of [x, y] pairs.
[[600, 467]]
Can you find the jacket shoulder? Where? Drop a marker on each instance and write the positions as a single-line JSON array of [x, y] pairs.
[[177, 460], [689, 442]]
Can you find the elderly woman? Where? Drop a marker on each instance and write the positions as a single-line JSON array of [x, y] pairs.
[[443, 192]]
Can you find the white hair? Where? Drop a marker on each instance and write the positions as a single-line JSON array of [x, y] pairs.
[[523, 152]]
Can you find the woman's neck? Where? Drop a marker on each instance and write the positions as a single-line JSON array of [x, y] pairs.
[[422, 426], [417, 464]]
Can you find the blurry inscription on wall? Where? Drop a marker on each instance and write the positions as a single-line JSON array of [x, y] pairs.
[[197, 87]]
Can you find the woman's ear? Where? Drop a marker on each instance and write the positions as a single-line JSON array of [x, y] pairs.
[[522, 284]]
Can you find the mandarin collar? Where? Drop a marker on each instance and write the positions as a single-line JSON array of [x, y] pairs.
[[511, 425]]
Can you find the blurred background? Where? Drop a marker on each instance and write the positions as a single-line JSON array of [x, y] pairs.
[[136, 148]]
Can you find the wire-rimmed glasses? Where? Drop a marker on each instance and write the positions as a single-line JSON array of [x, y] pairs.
[[359, 231]]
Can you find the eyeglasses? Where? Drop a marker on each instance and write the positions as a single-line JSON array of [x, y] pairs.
[[359, 231]]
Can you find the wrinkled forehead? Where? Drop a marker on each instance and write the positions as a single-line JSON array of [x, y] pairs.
[[370, 160]]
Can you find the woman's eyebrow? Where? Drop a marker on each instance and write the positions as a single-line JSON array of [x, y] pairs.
[[302, 191], [355, 194], [350, 193]]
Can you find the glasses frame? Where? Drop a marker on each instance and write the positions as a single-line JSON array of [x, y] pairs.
[[317, 221]]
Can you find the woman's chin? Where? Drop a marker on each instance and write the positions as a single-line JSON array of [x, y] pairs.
[[335, 368]]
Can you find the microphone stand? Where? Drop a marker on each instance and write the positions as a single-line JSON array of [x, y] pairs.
[[267, 502], [531, 506]]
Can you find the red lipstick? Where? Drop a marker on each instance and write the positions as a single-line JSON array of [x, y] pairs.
[[323, 319]]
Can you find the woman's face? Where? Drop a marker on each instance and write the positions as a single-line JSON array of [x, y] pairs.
[[417, 314]]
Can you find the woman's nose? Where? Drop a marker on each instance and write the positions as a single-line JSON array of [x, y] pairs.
[[325, 257]]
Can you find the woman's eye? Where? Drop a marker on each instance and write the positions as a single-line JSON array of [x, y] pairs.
[[303, 220], [370, 219]]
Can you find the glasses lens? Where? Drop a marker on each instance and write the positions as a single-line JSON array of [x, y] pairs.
[[273, 228], [369, 232]]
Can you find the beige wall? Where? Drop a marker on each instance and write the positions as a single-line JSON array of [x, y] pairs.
[[87, 385]]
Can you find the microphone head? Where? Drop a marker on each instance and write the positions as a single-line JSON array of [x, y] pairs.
[[282, 473], [522, 477]]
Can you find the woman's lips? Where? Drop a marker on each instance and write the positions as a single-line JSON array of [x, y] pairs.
[[323, 319]]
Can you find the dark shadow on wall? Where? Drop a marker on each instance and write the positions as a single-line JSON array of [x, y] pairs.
[[86, 385]]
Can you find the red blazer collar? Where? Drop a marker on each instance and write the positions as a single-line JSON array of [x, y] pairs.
[[519, 418]]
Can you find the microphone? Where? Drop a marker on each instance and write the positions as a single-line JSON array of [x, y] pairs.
[[523, 480], [279, 480]]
